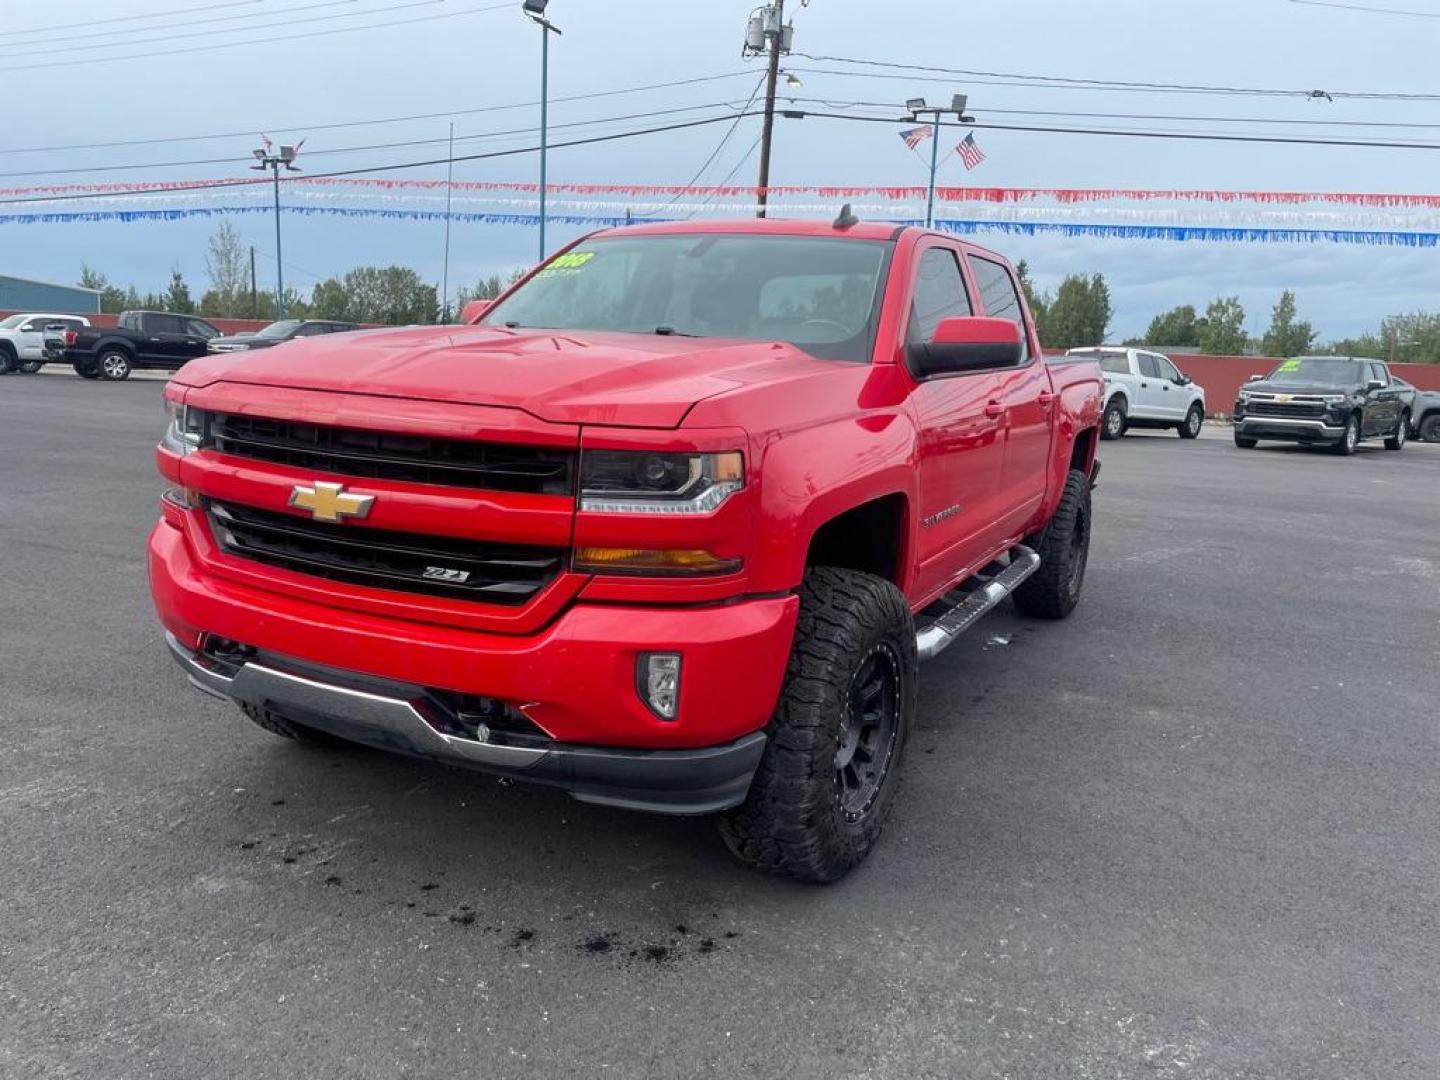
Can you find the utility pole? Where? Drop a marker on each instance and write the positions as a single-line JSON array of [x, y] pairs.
[[773, 33], [254, 295], [269, 159]]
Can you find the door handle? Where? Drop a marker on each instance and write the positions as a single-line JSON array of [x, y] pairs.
[[1046, 399], [1144, 386], [1165, 387], [994, 410]]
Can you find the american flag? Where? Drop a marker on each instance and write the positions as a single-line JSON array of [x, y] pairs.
[[970, 152], [915, 136]]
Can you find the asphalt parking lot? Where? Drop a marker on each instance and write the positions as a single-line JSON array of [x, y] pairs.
[[1194, 831]]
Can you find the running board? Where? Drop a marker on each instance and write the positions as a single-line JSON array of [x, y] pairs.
[[935, 637]]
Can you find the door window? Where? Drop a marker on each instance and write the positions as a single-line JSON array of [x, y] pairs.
[[939, 294], [1000, 298], [1167, 369], [1148, 366], [1377, 371], [196, 328]]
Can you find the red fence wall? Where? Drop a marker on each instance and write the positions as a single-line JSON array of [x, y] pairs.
[[1222, 376]]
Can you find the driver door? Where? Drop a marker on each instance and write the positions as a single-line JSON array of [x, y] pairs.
[[960, 423]]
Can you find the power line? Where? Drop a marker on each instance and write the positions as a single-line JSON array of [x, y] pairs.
[[509, 133], [724, 139], [11, 32], [1278, 140], [489, 155], [68, 40], [1075, 83], [254, 41], [1369, 10], [250, 132]]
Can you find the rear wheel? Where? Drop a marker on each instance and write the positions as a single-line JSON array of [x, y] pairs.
[[30, 367], [1350, 439], [1113, 424], [1064, 549], [1402, 432], [1194, 420], [114, 365], [1430, 429], [86, 369], [7, 361], [831, 764], [1245, 443]]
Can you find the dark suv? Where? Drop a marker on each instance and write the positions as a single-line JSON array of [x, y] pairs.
[[277, 333], [1329, 400]]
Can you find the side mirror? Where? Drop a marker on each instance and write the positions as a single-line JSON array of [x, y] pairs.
[[474, 311], [1256, 378], [1183, 380], [967, 343], [1374, 384]]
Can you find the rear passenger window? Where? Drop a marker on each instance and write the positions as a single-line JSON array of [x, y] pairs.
[[1000, 298], [939, 294], [1148, 366], [1115, 363], [1377, 371]]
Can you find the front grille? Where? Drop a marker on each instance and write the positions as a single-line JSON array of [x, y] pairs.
[[384, 455], [1299, 410], [382, 559]]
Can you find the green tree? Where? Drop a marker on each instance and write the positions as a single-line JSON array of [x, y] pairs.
[[112, 297], [1039, 303], [1224, 331], [389, 294], [227, 262], [329, 300], [1411, 339], [1178, 326], [1287, 336], [176, 297], [1079, 314]]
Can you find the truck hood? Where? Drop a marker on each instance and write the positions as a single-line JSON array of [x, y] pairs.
[[1279, 386], [577, 377]]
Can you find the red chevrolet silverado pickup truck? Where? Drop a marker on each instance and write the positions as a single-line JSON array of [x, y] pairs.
[[670, 527]]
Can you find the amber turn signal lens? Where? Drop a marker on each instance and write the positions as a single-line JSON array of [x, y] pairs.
[[604, 560]]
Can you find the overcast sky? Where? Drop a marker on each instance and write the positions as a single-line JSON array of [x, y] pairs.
[[487, 58]]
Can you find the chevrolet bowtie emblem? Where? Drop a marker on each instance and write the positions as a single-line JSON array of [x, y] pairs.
[[330, 502]]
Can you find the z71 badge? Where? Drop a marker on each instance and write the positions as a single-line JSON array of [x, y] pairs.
[[444, 573]]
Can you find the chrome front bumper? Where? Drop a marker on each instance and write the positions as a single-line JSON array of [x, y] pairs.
[[1289, 423], [405, 719]]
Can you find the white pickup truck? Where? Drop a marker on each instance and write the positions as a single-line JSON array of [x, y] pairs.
[[22, 339], [1145, 390]]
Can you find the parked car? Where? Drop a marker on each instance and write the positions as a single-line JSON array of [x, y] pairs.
[[1424, 413], [143, 339], [278, 333], [22, 339], [734, 481], [1335, 401], [1145, 390]]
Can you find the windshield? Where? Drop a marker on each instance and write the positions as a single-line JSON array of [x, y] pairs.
[[283, 328], [818, 293], [1319, 372], [12, 322]]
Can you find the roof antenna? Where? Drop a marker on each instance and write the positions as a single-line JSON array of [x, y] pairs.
[[846, 219]]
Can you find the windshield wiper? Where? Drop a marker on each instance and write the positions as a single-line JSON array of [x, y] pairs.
[[670, 331]]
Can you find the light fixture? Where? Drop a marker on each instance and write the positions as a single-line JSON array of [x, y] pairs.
[[793, 81], [535, 7], [958, 102], [657, 676], [916, 104]]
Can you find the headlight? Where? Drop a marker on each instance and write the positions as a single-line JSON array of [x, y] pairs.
[[651, 482], [182, 428], [1333, 399]]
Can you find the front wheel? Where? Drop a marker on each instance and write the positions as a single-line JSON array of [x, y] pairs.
[[114, 365], [1350, 439], [831, 763], [1064, 549], [1112, 426], [7, 361], [1194, 420], [30, 367], [1245, 443], [1430, 429], [1402, 432]]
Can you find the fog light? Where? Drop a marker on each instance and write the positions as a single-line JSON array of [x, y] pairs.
[[658, 679]]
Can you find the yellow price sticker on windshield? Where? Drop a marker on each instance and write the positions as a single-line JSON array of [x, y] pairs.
[[1290, 365], [567, 263]]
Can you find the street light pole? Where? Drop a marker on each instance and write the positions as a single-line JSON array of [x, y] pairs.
[[268, 158], [918, 107], [535, 11]]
